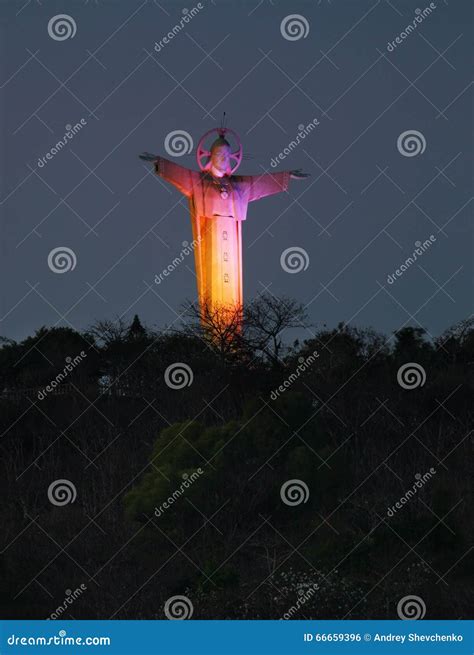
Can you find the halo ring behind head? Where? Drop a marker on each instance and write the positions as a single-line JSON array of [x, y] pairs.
[[202, 151]]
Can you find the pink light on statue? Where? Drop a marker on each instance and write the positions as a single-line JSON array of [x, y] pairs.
[[218, 201]]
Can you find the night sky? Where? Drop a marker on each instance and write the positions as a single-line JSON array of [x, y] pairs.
[[357, 217]]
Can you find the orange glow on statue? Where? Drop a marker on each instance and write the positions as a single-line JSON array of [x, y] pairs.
[[218, 201]]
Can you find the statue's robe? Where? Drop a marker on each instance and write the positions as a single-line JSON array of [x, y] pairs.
[[218, 206]]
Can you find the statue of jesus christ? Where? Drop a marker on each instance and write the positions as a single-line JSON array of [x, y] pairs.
[[218, 204]]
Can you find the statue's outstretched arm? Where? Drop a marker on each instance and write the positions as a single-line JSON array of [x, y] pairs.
[[268, 184], [179, 176]]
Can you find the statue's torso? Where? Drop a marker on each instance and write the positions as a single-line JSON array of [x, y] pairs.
[[220, 196]]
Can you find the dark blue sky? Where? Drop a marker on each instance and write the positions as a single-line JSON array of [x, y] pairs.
[[358, 216]]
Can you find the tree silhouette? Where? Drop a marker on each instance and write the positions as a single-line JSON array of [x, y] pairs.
[[252, 414]]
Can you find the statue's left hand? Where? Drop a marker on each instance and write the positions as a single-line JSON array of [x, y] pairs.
[[298, 174], [148, 156]]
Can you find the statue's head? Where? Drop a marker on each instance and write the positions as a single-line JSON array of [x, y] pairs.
[[220, 157]]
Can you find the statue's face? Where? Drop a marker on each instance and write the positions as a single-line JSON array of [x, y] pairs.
[[220, 160]]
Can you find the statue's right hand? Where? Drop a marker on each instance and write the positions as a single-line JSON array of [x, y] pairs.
[[148, 156]]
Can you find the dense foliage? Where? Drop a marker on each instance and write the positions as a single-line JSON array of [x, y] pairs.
[[179, 491]]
